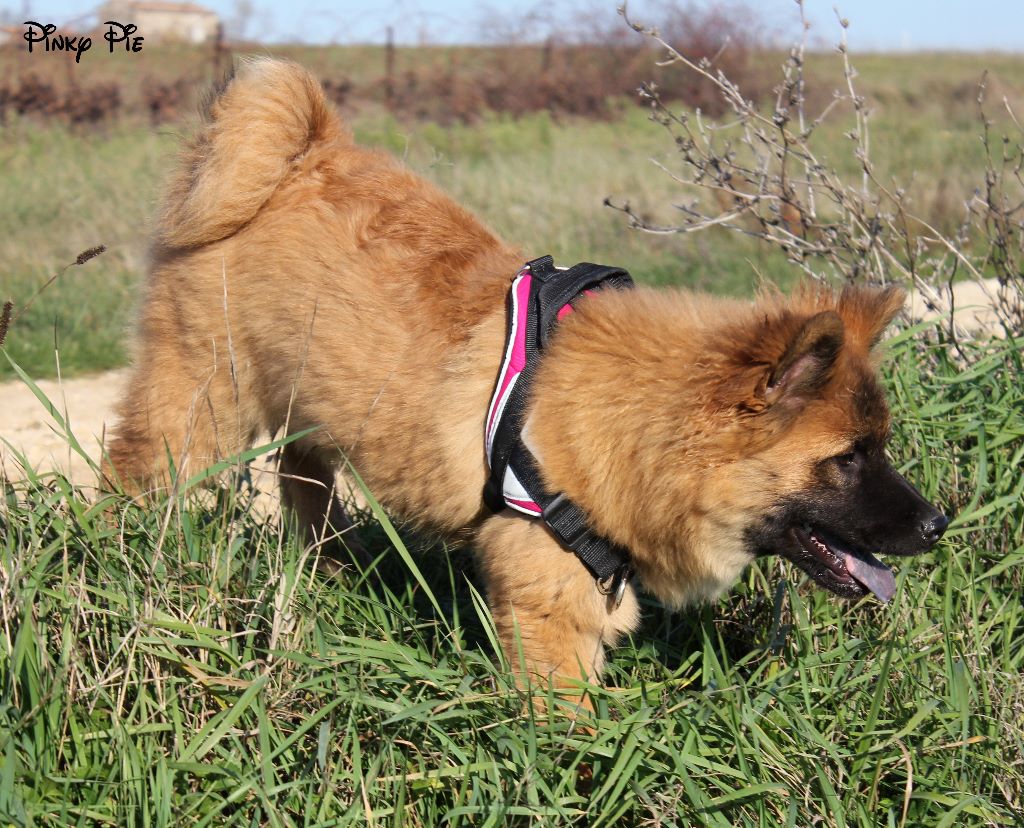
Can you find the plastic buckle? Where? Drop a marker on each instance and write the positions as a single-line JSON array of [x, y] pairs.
[[557, 509], [542, 267]]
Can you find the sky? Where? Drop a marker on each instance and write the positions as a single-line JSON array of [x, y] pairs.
[[875, 25]]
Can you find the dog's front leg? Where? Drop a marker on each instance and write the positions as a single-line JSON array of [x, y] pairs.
[[546, 602]]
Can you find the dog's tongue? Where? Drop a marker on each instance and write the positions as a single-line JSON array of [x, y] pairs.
[[872, 573]]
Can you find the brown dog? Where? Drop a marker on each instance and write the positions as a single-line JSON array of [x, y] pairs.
[[301, 281]]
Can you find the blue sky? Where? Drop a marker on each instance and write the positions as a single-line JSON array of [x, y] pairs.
[[875, 24]]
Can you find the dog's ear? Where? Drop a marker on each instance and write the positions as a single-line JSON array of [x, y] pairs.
[[806, 365], [867, 311]]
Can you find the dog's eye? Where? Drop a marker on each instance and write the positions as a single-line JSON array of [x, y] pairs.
[[846, 460]]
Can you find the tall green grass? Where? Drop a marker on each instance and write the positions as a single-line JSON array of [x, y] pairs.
[[184, 663], [62, 192]]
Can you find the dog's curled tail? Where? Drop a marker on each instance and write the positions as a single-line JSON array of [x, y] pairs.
[[268, 116]]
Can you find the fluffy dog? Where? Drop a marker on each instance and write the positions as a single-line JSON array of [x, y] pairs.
[[300, 281]]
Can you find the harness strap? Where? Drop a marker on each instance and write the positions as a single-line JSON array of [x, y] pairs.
[[535, 306], [567, 521], [559, 288]]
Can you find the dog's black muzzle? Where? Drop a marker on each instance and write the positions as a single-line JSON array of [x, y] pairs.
[[893, 517]]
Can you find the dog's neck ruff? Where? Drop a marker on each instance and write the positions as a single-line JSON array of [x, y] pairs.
[[539, 298]]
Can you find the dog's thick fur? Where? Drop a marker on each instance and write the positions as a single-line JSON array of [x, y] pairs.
[[300, 281]]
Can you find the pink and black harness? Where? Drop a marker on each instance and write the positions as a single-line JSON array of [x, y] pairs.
[[540, 296]]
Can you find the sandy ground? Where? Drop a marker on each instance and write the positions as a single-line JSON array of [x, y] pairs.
[[88, 402], [28, 434], [973, 303]]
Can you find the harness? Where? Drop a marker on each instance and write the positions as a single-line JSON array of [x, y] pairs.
[[540, 296]]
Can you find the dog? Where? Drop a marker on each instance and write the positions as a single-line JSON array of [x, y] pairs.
[[299, 281]]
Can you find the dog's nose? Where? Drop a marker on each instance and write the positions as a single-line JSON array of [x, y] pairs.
[[934, 528]]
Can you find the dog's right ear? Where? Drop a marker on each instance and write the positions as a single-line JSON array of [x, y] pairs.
[[806, 365]]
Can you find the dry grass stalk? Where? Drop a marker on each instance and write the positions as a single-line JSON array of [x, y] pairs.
[[5, 318]]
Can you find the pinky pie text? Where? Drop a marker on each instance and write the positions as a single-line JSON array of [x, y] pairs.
[[43, 37]]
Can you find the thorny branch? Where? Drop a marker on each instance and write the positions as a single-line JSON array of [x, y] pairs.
[[759, 176]]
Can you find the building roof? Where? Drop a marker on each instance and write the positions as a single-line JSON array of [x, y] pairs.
[[162, 6]]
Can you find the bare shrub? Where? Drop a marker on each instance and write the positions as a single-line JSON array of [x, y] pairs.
[[724, 37], [91, 104], [337, 90], [573, 79], [32, 95], [428, 93], [760, 174], [165, 100], [589, 57], [584, 67]]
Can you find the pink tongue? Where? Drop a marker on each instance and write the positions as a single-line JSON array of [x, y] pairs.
[[873, 574]]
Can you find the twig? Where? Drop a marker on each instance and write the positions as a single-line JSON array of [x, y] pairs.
[[758, 175]]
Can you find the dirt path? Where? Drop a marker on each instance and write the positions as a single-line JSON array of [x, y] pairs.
[[28, 434], [88, 402], [973, 306]]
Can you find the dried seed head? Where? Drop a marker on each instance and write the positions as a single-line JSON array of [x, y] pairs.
[[91, 253], [5, 320]]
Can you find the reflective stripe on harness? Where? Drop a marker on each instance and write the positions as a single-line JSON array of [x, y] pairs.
[[540, 296]]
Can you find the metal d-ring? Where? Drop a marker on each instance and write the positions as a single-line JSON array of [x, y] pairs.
[[614, 586]]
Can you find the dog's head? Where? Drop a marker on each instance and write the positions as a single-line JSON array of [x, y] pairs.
[[822, 423], [715, 431]]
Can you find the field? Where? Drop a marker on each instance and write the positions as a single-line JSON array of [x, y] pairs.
[[539, 180], [186, 664]]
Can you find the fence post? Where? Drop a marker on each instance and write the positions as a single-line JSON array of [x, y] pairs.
[[219, 48], [389, 68]]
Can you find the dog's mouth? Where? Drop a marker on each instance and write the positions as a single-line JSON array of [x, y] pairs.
[[848, 573]]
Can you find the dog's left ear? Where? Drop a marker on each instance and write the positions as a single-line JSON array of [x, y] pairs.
[[867, 311], [806, 365]]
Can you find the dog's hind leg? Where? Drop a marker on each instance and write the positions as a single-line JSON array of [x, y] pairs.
[[171, 415], [308, 486]]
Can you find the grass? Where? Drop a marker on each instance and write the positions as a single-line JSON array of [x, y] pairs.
[[185, 663], [61, 193]]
